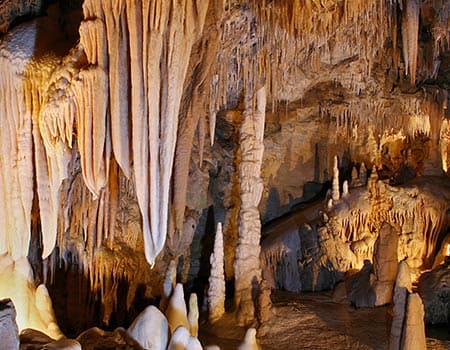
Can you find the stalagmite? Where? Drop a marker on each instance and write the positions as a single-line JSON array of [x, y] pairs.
[[169, 284], [193, 315], [363, 174], [247, 265], [176, 312], [414, 328], [216, 291], [181, 340], [345, 189], [403, 286], [385, 263], [150, 329], [249, 342], [335, 194]]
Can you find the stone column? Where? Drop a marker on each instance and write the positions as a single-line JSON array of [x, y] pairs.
[[247, 263]]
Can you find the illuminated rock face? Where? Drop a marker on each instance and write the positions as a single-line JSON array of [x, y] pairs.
[[346, 235]]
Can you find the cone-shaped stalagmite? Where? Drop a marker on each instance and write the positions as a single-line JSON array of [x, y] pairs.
[[216, 291]]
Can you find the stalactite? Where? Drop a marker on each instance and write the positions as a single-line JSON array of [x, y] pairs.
[[247, 266], [194, 116], [117, 34], [410, 34]]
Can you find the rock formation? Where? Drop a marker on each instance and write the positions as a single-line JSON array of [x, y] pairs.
[[335, 192], [403, 287], [176, 312], [150, 329], [216, 290], [414, 327], [385, 262], [247, 265]]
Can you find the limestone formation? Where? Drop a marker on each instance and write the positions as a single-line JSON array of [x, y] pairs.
[[264, 306], [363, 174], [414, 327], [247, 266], [385, 263], [345, 189], [176, 312], [181, 340], [250, 342], [9, 333], [150, 329], [33, 305], [216, 289], [169, 284], [335, 192], [193, 315], [402, 289]]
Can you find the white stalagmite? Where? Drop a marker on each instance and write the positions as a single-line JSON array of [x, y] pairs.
[[216, 291], [180, 339], [247, 262], [335, 195], [150, 329]]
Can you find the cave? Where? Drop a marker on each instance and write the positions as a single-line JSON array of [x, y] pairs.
[[217, 174]]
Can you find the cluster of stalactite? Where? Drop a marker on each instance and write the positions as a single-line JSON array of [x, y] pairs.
[[370, 123]]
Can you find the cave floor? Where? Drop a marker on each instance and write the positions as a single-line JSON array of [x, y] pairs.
[[314, 321]]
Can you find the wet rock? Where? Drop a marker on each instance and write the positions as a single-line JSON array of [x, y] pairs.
[[9, 333], [31, 339], [97, 339], [359, 287], [63, 344], [434, 288]]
